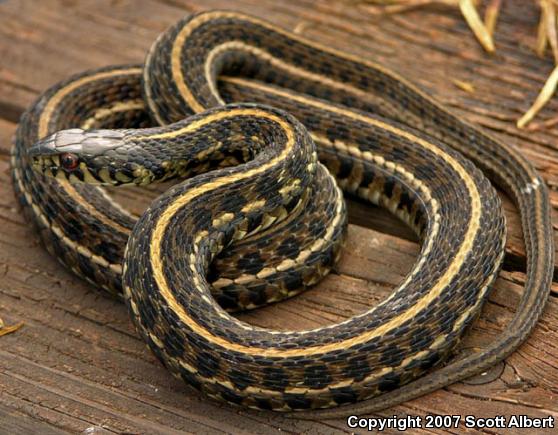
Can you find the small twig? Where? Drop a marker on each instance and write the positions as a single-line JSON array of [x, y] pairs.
[[5, 330], [301, 27], [544, 96], [464, 86], [472, 17], [547, 34], [551, 27], [542, 34], [483, 31], [491, 15], [399, 6]]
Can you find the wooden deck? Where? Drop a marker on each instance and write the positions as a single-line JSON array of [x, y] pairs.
[[78, 366]]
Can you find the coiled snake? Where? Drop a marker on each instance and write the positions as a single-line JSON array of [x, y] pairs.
[[267, 219]]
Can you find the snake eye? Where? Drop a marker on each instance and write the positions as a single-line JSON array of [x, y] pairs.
[[69, 161]]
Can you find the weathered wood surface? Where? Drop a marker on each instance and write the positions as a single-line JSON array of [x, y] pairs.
[[77, 364]]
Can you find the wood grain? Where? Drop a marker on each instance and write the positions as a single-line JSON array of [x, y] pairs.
[[78, 366]]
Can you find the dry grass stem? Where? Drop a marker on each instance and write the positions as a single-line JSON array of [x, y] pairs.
[[5, 330], [547, 34], [481, 31], [491, 15], [544, 96], [551, 27], [542, 34], [398, 6], [464, 86]]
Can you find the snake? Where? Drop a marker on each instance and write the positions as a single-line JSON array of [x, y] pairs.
[[246, 116]]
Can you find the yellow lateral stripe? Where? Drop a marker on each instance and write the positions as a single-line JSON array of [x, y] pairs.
[[164, 219], [56, 98], [417, 184], [43, 131], [104, 112], [276, 63], [199, 20], [196, 125], [74, 246], [162, 223]]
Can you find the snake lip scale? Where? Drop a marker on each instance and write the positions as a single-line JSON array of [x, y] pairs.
[[255, 216]]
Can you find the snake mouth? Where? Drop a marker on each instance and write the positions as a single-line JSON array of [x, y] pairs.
[[44, 156], [64, 154], [57, 166], [49, 166], [42, 163]]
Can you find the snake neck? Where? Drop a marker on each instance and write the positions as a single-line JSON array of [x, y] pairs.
[[216, 139]]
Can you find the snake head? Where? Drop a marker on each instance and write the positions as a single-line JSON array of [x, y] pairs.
[[77, 155]]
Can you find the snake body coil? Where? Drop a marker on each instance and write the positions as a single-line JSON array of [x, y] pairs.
[[196, 67]]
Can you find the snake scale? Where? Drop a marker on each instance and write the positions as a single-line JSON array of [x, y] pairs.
[[256, 217]]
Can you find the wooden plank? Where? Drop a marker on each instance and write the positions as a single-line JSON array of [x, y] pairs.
[[17, 423], [77, 365]]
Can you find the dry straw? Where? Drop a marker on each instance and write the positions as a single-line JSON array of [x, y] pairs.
[[483, 29]]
